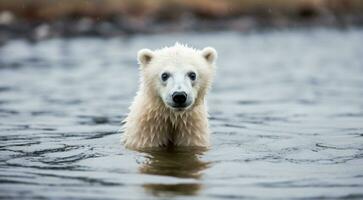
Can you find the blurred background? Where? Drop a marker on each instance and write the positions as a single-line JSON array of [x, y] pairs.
[[286, 107], [52, 18]]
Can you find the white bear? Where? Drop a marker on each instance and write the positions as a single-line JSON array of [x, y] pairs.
[[169, 108]]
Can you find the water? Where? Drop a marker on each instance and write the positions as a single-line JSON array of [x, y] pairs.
[[286, 115]]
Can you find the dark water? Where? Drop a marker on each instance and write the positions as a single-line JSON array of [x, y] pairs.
[[286, 115]]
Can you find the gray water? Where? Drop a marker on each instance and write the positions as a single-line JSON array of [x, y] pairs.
[[286, 114]]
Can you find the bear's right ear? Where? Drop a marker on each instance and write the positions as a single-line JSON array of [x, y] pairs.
[[144, 56]]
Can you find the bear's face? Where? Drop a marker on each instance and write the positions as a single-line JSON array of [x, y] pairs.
[[179, 75], [178, 86]]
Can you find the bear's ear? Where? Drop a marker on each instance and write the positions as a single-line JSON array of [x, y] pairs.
[[144, 56], [210, 54]]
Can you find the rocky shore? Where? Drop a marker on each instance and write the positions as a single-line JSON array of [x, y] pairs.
[[39, 19]]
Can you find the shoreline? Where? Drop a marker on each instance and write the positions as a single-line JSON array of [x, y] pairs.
[[85, 26], [43, 19]]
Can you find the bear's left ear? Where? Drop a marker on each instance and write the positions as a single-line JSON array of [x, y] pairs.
[[210, 54], [144, 56]]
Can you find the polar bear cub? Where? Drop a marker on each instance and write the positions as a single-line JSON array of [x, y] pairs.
[[170, 108]]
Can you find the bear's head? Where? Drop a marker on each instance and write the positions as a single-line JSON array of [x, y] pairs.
[[179, 75]]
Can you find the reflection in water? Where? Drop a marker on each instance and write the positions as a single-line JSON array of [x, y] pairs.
[[175, 162], [173, 189]]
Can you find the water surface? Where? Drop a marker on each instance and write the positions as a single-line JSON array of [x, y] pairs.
[[286, 112]]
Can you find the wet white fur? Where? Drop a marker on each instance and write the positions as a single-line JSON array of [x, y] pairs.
[[150, 123]]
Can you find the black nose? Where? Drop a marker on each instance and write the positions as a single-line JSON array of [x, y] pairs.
[[179, 97]]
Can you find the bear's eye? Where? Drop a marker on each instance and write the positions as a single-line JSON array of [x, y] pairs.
[[192, 76], [164, 76]]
